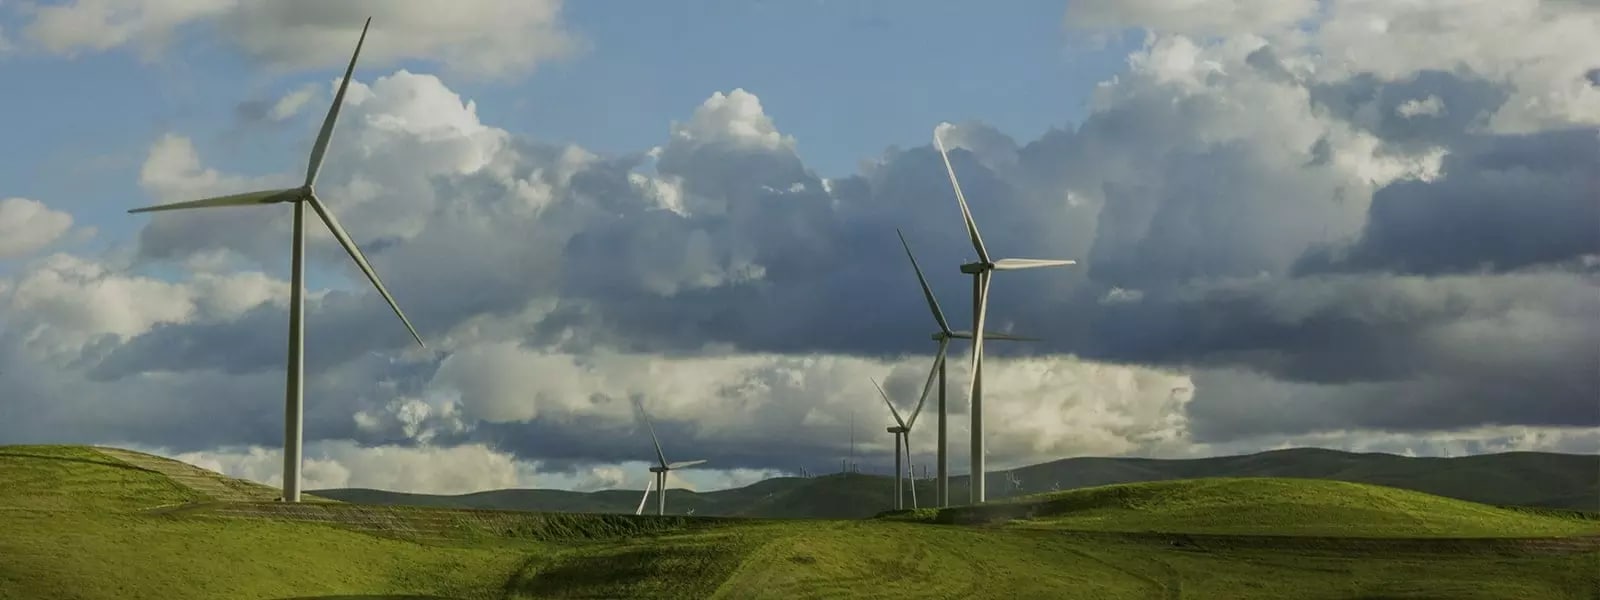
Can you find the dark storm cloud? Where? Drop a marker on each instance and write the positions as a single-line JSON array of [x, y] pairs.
[[1502, 202], [1428, 108], [339, 328], [1377, 351]]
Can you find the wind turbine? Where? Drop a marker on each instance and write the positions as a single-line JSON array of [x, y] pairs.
[[294, 397], [943, 336], [647, 486], [980, 271], [902, 438], [664, 467]]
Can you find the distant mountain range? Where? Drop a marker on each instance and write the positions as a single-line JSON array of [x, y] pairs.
[[1568, 481]]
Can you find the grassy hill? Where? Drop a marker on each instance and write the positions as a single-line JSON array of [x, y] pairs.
[[1262, 506], [1519, 478], [100, 523]]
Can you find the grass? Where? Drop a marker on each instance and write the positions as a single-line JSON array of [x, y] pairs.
[[78, 523], [1266, 506]]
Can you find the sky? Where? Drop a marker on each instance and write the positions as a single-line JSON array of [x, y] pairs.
[[1350, 224]]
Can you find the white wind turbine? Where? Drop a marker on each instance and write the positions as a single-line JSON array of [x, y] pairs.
[[943, 336], [294, 397], [662, 469], [902, 439], [642, 499], [980, 271]]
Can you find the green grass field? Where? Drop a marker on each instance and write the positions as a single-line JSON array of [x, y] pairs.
[[1263, 506], [84, 523]]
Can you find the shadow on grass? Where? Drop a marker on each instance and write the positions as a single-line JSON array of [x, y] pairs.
[[593, 573], [367, 597], [684, 568], [109, 462]]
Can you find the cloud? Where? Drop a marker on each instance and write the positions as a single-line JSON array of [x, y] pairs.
[[28, 225], [1191, 17], [639, 274], [477, 38], [1500, 203], [99, 25], [290, 104], [1326, 247], [455, 470], [1539, 49], [431, 470]]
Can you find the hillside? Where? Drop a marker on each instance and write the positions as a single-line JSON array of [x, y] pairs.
[[1569, 481], [91, 523], [1262, 506]]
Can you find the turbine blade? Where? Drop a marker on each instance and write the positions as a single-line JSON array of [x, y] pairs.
[[684, 464], [646, 417], [927, 292], [647, 486], [245, 199], [977, 339], [990, 335], [892, 411], [912, 467], [361, 261], [321, 147], [966, 213], [1012, 264], [933, 374]]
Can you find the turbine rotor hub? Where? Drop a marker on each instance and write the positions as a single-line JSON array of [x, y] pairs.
[[973, 268]]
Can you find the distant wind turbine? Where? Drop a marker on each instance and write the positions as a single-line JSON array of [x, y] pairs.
[[943, 336], [980, 271], [294, 397], [902, 438], [664, 466]]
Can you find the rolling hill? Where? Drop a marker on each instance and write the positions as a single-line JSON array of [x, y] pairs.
[[1263, 506], [1568, 481], [94, 523]]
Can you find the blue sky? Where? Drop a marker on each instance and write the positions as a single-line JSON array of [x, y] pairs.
[[847, 79]]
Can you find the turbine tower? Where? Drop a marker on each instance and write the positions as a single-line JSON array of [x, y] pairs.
[[662, 468], [943, 336], [902, 438], [294, 397], [981, 270]]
